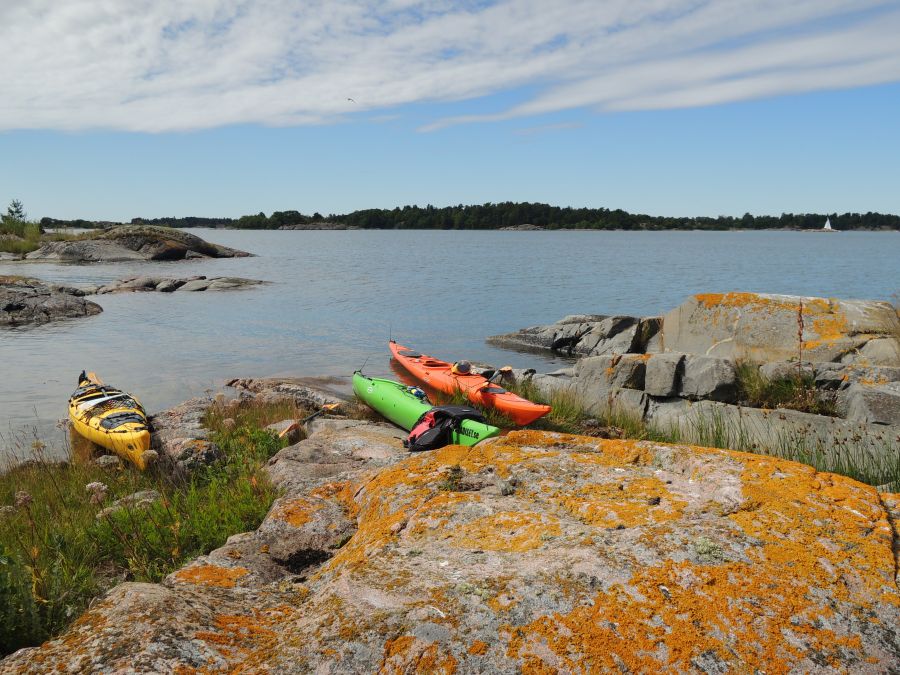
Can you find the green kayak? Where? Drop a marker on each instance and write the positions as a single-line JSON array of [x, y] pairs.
[[403, 407]]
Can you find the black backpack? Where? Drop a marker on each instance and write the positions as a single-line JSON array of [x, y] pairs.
[[434, 429]]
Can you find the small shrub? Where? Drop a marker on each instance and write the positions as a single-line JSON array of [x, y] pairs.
[[796, 391]]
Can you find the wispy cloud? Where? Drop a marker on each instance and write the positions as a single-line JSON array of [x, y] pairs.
[[163, 65], [547, 128]]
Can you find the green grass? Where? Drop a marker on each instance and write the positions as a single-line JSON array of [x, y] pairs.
[[25, 236], [848, 456], [795, 392], [56, 554]]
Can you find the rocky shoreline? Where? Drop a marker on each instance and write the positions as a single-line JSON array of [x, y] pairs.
[[535, 550], [684, 370], [134, 242], [30, 301], [25, 300]]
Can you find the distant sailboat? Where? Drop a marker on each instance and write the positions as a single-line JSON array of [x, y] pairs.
[[828, 227]]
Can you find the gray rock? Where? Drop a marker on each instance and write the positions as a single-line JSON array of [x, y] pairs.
[[763, 327], [706, 377], [876, 352], [195, 285], [663, 374], [8, 257], [309, 392], [841, 376], [874, 404], [603, 373], [231, 283], [585, 335], [130, 284], [169, 285], [27, 301], [108, 462]]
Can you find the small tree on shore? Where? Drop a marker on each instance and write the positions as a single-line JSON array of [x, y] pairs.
[[15, 211]]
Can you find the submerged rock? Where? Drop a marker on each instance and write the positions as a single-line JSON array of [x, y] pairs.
[[27, 301], [170, 285], [547, 553], [134, 242]]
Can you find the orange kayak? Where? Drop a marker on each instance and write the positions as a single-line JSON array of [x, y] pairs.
[[478, 390]]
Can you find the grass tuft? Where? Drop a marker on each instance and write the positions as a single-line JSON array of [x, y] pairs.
[[796, 392]]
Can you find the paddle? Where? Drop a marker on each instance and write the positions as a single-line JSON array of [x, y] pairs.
[[299, 423]]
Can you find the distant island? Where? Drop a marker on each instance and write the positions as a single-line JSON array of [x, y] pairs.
[[509, 215]]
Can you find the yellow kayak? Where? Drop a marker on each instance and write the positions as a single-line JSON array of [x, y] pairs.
[[110, 418]]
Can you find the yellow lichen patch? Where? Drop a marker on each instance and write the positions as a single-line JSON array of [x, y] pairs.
[[507, 531], [829, 327], [642, 501], [502, 602], [821, 527], [296, 512], [478, 648], [437, 511], [341, 492], [613, 452], [249, 637], [738, 613], [211, 575], [407, 654]]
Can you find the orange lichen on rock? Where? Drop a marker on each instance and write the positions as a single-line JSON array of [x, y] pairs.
[[211, 575], [296, 512], [507, 531], [250, 637], [407, 654], [818, 524], [342, 492], [677, 613], [478, 648], [642, 501]]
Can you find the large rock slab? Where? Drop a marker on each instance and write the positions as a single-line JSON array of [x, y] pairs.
[[536, 552], [762, 327], [875, 403], [134, 242], [170, 285], [585, 335], [30, 301], [780, 431]]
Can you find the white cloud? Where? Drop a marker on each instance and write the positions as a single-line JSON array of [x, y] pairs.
[[162, 65]]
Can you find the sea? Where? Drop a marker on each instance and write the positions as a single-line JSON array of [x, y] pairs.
[[337, 297]]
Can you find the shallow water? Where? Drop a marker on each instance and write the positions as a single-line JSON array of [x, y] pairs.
[[338, 296]]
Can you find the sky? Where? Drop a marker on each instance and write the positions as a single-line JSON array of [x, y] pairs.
[[114, 109]]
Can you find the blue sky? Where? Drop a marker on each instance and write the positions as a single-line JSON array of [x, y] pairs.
[[127, 108]]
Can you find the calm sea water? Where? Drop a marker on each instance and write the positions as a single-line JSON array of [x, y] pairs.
[[338, 296]]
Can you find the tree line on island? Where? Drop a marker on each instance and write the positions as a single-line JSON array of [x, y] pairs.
[[511, 214]]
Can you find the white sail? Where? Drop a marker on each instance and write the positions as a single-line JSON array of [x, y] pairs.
[[827, 224]]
